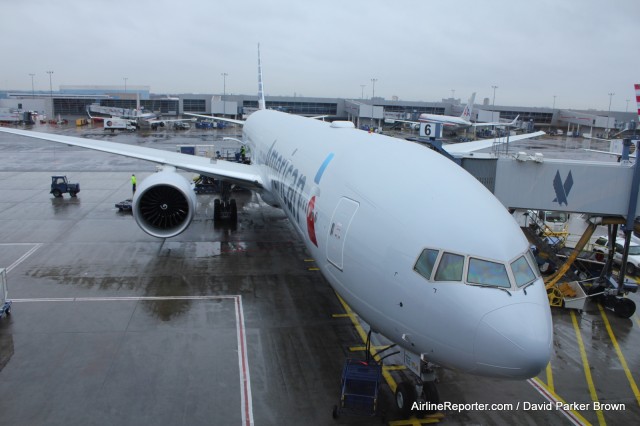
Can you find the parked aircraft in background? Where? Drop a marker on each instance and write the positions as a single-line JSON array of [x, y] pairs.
[[139, 118], [387, 222], [458, 123]]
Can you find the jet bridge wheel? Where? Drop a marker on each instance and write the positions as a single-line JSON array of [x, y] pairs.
[[624, 307], [405, 397]]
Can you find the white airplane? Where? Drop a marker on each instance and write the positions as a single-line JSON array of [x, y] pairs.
[[142, 119], [417, 247], [457, 123]]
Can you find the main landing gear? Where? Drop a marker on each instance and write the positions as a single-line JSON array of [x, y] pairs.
[[225, 209]]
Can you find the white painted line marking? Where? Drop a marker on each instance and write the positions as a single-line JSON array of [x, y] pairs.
[[24, 256], [551, 398]]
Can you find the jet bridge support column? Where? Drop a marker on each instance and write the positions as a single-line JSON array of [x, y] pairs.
[[631, 216]]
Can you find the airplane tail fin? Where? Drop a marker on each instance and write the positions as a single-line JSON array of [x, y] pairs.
[[261, 102], [468, 108], [515, 120]]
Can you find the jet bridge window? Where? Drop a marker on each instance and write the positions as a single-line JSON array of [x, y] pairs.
[[522, 271], [484, 272], [450, 267], [425, 263]]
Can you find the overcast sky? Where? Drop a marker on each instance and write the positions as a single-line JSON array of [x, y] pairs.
[[578, 50]]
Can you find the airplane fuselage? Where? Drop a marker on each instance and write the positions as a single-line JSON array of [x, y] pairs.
[[367, 205], [454, 123]]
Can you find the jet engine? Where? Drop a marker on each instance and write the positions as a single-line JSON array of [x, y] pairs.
[[164, 204]]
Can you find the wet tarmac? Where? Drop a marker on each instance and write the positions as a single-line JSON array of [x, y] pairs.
[[225, 325]]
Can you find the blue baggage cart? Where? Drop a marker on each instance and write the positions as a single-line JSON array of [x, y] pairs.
[[359, 388]]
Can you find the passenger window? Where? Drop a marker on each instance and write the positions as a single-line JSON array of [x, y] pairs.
[[450, 267], [522, 271], [424, 265], [487, 273]]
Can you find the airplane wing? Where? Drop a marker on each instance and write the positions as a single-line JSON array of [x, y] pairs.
[[244, 175], [615, 154], [157, 121], [459, 149], [211, 117]]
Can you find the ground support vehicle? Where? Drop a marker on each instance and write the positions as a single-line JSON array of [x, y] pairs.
[[60, 185], [205, 185], [125, 205]]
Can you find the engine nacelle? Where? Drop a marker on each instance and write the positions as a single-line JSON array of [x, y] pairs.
[[164, 204]]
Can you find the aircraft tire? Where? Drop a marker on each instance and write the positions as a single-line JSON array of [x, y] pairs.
[[405, 397], [216, 210], [430, 394], [234, 211]]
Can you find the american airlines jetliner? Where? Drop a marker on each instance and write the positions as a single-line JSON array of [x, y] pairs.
[[458, 123], [418, 248]]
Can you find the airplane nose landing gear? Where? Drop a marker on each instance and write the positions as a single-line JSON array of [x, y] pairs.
[[417, 395]]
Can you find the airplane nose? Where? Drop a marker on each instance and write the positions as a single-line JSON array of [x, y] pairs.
[[514, 341]]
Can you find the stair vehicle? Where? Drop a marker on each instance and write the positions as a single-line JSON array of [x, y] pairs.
[[60, 185]]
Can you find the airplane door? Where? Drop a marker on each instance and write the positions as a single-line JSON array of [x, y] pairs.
[[340, 222]]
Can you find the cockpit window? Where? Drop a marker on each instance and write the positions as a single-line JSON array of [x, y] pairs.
[[522, 271], [533, 263], [425, 263], [484, 272], [450, 267]]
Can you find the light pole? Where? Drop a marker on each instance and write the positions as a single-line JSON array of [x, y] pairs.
[[51, 92], [453, 93], [362, 86], [224, 92], [553, 112], [494, 95], [609, 112], [33, 92], [373, 92], [50, 84], [125, 83]]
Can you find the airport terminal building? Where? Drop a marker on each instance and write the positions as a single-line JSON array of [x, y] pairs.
[[73, 101]]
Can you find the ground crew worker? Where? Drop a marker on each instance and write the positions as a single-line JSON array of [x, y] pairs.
[[243, 153], [133, 183]]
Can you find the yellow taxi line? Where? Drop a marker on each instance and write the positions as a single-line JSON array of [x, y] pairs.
[[623, 361], [587, 369]]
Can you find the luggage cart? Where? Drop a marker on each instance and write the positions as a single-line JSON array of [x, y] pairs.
[[359, 388], [5, 303], [360, 384]]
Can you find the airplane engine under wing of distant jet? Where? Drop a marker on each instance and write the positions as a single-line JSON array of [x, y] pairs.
[[164, 204]]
